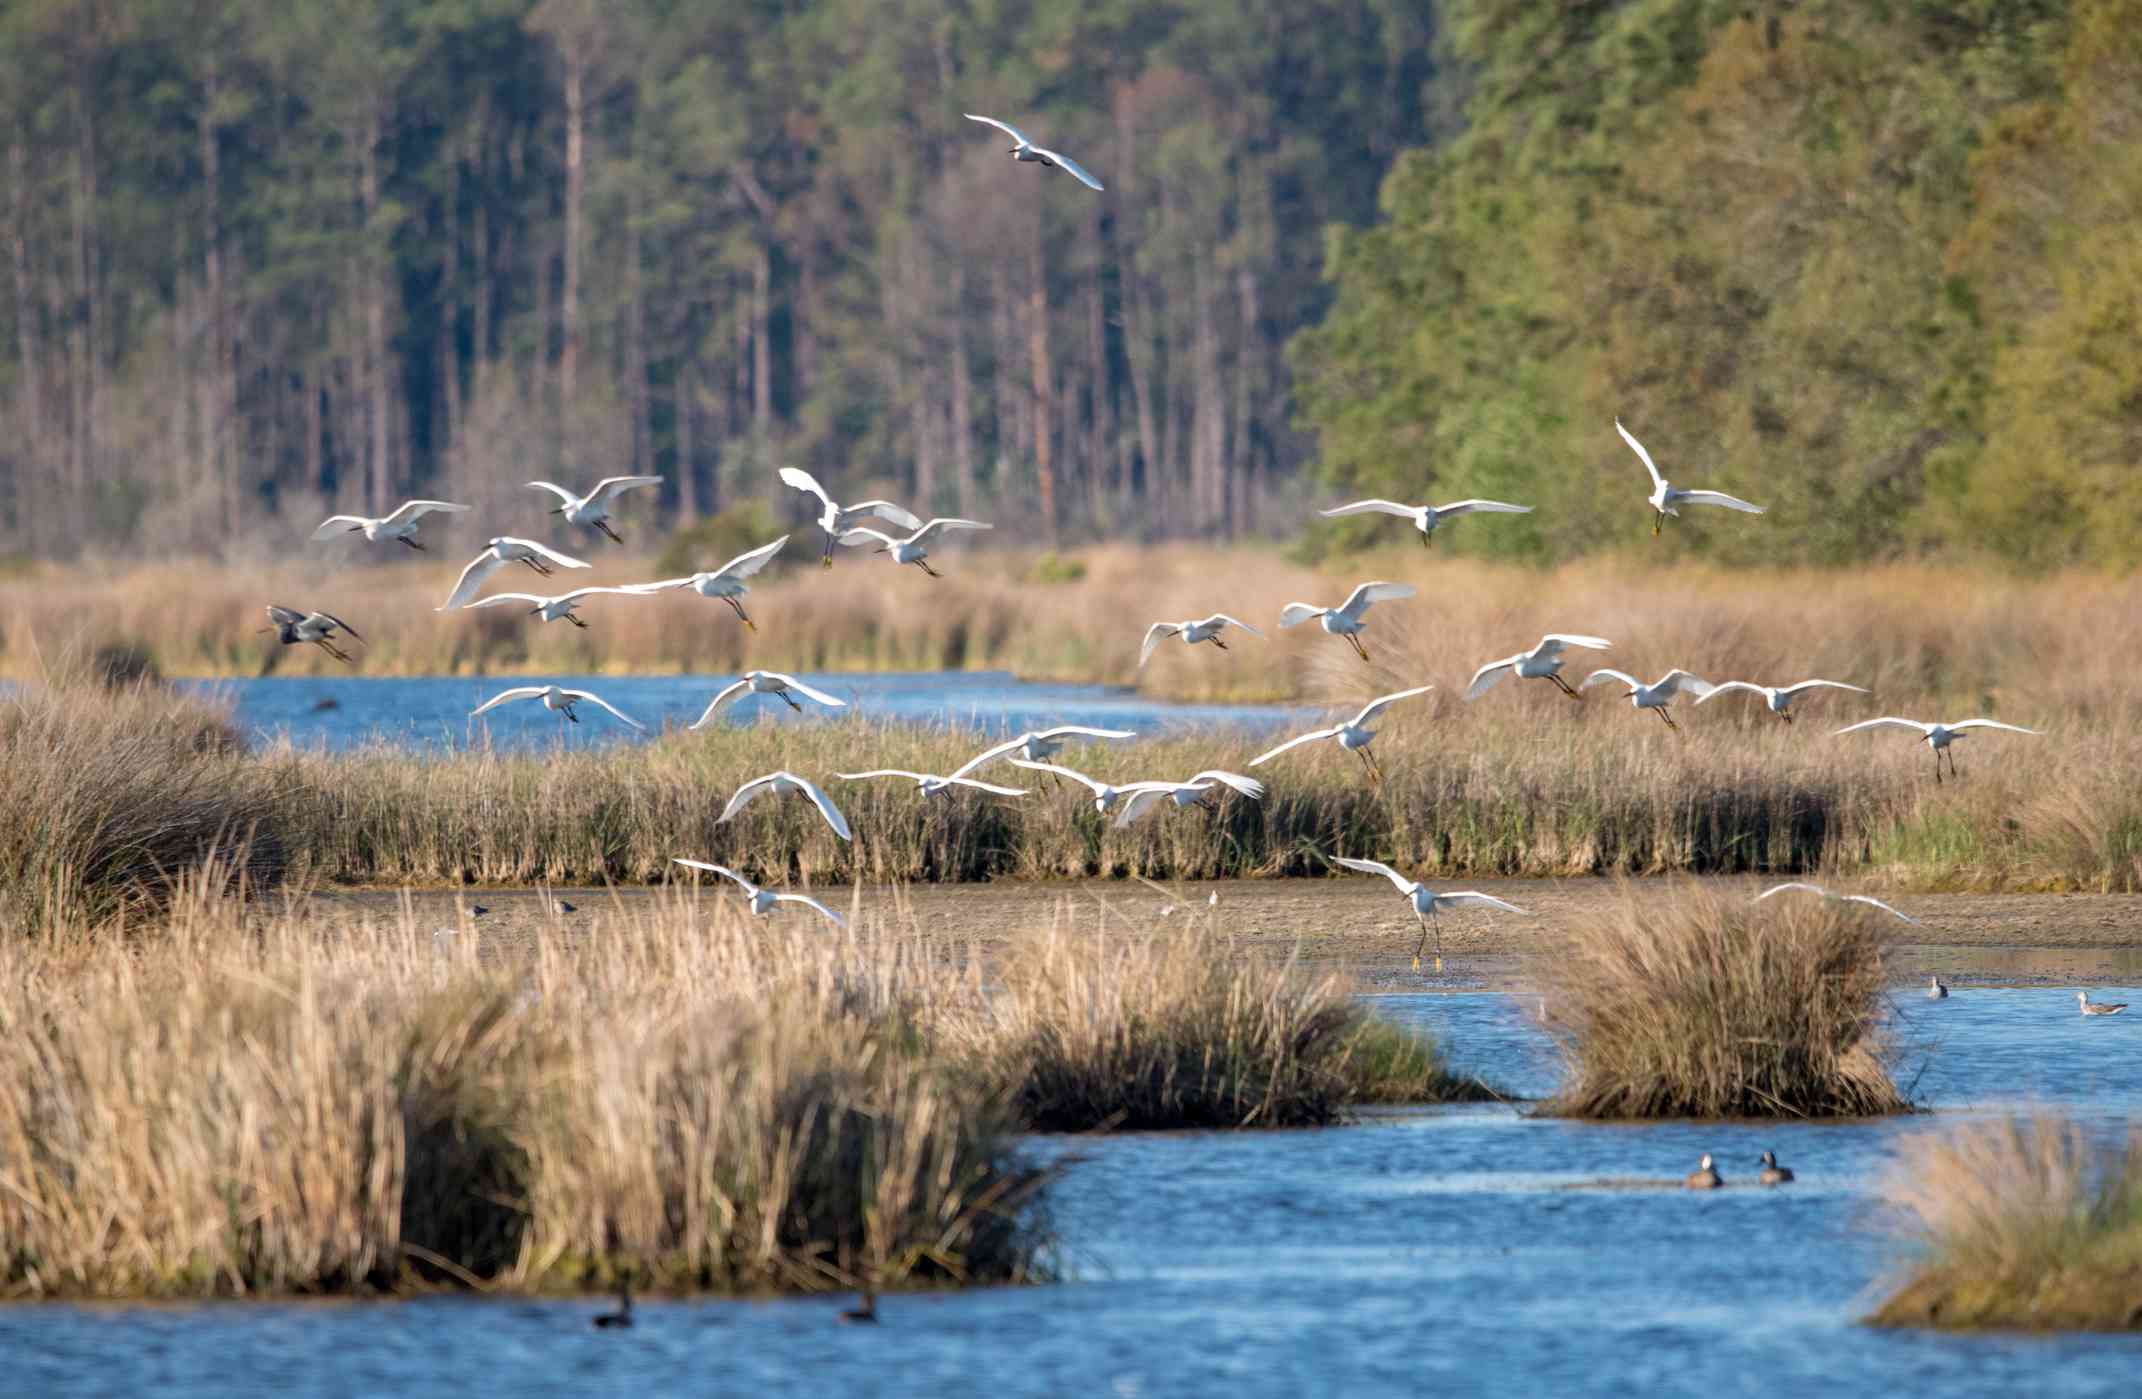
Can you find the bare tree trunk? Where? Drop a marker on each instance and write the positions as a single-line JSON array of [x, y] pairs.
[[379, 483], [1100, 452], [575, 195], [1044, 385], [962, 394], [1208, 447], [636, 342], [762, 347], [687, 464], [446, 350], [1250, 370], [802, 315], [32, 395], [88, 343]]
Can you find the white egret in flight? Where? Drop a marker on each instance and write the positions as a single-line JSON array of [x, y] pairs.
[[762, 900], [496, 555], [1206, 629], [1654, 697], [1202, 789], [558, 700], [1346, 619], [593, 509], [1816, 889], [550, 609], [1939, 736], [766, 682], [1542, 662], [1026, 150], [910, 549], [1426, 517], [1779, 697], [402, 524], [930, 784], [781, 784], [1354, 735], [1665, 498], [1426, 901], [1037, 745], [726, 582], [837, 519]]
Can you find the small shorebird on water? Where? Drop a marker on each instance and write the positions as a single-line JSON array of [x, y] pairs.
[[2090, 1007]]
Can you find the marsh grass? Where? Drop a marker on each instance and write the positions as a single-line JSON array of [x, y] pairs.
[[111, 792], [1694, 1003], [2018, 1223], [244, 1101]]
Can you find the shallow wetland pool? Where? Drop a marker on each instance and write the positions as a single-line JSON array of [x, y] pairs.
[[1449, 1251]]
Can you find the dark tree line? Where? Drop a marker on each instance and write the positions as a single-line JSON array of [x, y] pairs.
[[267, 259]]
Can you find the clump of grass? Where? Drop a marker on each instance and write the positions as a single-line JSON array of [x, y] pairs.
[[1145, 1032], [111, 794], [1695, 1004], [243, 1105], [2020, 1223]]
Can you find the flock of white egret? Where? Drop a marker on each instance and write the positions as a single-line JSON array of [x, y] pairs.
[[844, 525]]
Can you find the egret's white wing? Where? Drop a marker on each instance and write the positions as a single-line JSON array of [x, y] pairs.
[[1820, 684], [1295, 742], [1490, 675], [987, 787], [1247, 786], [809, 902], [935, 526], [1095, 787], [1006, 127], [600, 703], [1081, 731], [1972, 724], [1234, 622], [331, 617], [807, 691], [1716, 690], [481, 567], [579, 593], [516, 693], [1378, 507], [989, 755], [1154, 635], [750, 792], [1403, 884], [825, 806], [1471, 896], [1791, 887], [744, 565], [339, 524], [886, 510], [1598, 677], [723, 696], [723, 870], [1078, 171], [1358, 601], [611, 487], [497, 598], [418, 509], [1877, 903], [883, 772], [1886, 722], [1638, 448], [1145, 798], [799, 479], [544, 551], [854, 537], [1295, 613], [1377, 706], [564, 495], [1680, 682], [1552, 643], [1486, 507], [1730, 502], [666, 585]]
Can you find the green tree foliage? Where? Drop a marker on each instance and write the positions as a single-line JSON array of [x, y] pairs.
[[1872, 265], [260, 260]]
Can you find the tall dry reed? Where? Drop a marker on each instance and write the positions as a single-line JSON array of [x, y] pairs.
[[2018, 1223], [1694, 1003]]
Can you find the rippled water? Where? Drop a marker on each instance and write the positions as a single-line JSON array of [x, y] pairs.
[[344, 711], [1418, 1252]]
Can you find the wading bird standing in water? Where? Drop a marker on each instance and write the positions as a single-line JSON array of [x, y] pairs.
[[1354, 735], [1542, 662], [837, 519], [1779, 697], [1346, 619], [726, 582], [1426, 901], [1426, 517], [1653, 697], [593, 509], [402, 524], [1665, 498], [292, 626], [1025, 150]]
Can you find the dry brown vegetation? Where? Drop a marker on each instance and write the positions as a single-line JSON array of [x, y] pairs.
[[240, 1101], [2019, 1223], [1694, 1004]]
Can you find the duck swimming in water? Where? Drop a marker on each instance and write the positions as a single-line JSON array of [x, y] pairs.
[[1705, 1176], [1773, 1173]]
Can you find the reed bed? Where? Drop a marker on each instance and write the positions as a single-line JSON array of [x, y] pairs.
[[1692, 1004], [2019, 1223], [240, 1101]]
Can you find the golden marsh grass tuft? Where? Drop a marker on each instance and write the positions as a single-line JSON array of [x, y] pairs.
[[1696, 1003]]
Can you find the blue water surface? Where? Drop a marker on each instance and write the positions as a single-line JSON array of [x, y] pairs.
[[1421, 1252]]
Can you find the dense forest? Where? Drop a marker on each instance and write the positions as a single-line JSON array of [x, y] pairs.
[[1871, 262], [1874, 263], [270, 257]]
